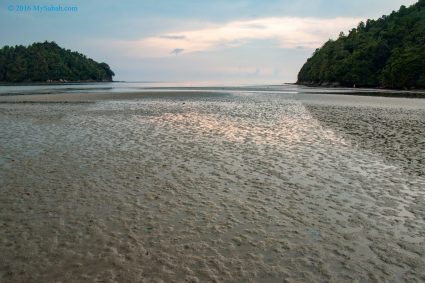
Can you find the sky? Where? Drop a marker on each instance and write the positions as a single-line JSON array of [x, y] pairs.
[[222, 41]]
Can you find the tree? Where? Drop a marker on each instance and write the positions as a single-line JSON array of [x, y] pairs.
[[388, 52], [47, 61]]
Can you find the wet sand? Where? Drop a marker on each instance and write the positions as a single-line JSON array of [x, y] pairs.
[[242, 187], [102, 96]]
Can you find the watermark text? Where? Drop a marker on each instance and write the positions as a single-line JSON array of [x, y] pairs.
[[35, 8]]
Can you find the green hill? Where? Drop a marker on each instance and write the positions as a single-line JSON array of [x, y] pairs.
[[47, 62], [388, 52]]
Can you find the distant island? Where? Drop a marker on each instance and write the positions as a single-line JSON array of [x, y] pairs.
[[385, 53], [48, 62]]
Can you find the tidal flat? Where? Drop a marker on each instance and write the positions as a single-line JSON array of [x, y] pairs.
[[240, 185]]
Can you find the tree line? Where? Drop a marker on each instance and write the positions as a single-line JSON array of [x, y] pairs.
[[48, 62], [388, 52]]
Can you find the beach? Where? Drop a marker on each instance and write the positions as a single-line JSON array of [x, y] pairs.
[[265, 184]]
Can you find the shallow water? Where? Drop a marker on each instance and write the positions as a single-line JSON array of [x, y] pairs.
[[261, 185]]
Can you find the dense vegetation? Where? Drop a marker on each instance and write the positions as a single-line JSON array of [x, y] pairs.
[[388, 52], [47, 62]]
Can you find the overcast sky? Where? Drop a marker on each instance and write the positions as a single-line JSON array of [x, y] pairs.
[[230, 41]]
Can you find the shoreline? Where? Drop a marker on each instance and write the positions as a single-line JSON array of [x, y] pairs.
[[337, 86], [55, 83], [372, 92], [382, 94], [87, 95], [102, 96]]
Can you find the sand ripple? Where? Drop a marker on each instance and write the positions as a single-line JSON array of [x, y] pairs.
[[227, 189]]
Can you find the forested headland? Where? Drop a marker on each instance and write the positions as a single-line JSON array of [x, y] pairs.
[[48, 62], [386, 53]]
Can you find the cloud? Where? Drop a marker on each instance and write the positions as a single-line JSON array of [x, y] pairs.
[[177, 51], [172, 36], [281, 32], [289, 32]]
